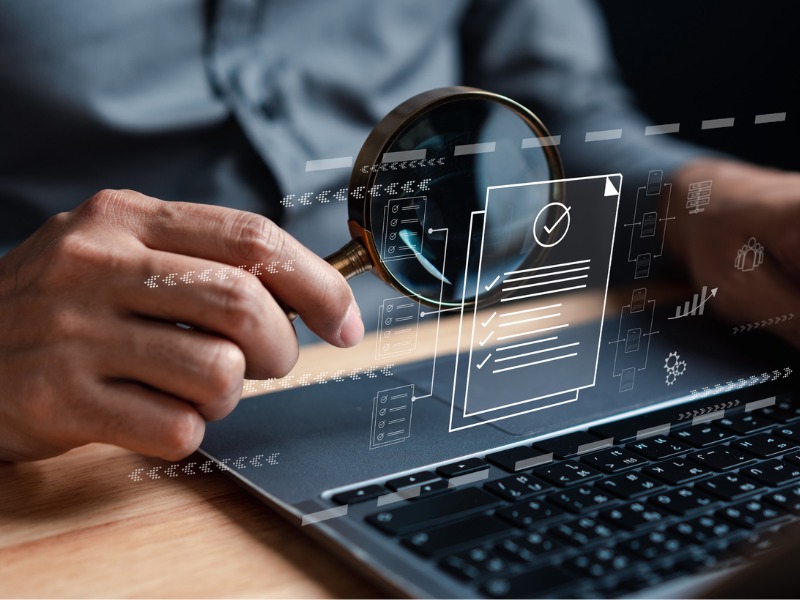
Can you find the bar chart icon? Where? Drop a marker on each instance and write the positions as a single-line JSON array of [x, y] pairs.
[[696, 306]]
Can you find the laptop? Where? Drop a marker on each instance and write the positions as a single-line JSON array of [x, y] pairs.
[[609, 438], [600, 439]]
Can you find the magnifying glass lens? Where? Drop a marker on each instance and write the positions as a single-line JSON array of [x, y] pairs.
[[419, 194], [428, 197]]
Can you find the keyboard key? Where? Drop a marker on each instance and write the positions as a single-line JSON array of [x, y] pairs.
[[722, 458], [676, 471], [447, 538], [793, 458], [600, 562], [517, 487], [475, 563], [654, 545], [361, 494], [773, 472], [566, 473], [613, 460], [788, 499], [532, 513], [411, 481], [565, 446], [753, 513], [580, 532], [633, 516], [626, 430], [784, 411], [429, 512], [705, 529], [683, 501], [701, 436], [464, 467], [519, 458], [757, 544], [539, 581], [658, 447], [765, 445], [629, 485], [528, 548], [790, 432], [745, 423], [460, 568], [730, 486], [582, 499], [434, 487], [636, 580]]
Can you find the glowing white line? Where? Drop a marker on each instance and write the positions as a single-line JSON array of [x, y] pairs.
[[536, 362]]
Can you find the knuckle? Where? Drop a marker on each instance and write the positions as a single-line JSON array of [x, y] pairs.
[[65, 324], [256, 237], [239, 304], [183, 434], [225, 371], [78, 256], [101, 203]]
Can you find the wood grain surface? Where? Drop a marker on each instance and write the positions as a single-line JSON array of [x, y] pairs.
[[81, 525]]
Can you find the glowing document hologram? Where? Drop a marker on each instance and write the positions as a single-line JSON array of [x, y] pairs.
[[524, 353], [391, 416], [398, 320], [403, 228], [649, 226], [633, 338]]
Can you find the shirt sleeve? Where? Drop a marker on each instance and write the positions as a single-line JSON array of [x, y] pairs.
[[554, 57]]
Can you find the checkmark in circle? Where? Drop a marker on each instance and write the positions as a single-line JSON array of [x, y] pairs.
[[553, 210], [563, 216]]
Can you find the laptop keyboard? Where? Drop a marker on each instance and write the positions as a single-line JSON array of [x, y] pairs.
[[581, 516]]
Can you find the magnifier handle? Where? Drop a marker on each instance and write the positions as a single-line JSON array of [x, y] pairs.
[[350, 260]]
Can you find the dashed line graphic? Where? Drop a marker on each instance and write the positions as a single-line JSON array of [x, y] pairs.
[[395, 161], [188, 468], [322, 377], [742, 382], [219, 274], [764, 323]]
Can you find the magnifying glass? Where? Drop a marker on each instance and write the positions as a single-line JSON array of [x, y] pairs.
[[418, 194]]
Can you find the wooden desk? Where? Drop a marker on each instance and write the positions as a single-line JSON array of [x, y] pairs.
[[80, 526]]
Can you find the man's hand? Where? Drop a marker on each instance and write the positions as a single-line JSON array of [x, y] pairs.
[[746, 202], [90, 353]]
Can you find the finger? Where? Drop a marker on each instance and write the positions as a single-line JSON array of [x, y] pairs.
[[219, 299], [290, 271], [137, 418], [202, 369]]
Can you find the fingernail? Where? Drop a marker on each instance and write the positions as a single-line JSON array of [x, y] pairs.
[[352, 330]]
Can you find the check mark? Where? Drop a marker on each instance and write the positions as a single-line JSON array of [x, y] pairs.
[[489, 320], [491, 285], [483, 343], [483, 362], [549, 230]]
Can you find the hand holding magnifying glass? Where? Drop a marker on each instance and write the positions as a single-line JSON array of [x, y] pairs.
[[459, 141]]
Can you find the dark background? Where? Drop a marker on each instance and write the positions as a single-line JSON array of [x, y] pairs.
[[694, 60]]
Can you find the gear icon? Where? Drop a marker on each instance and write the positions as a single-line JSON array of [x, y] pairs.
[[671, 362], [674, 366]]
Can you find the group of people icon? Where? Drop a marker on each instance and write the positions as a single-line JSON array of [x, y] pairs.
[[749, 256]]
